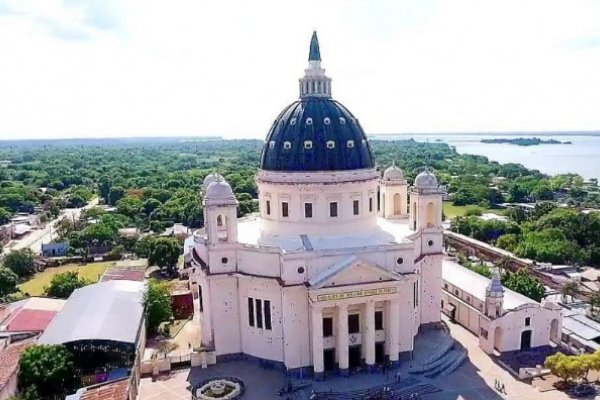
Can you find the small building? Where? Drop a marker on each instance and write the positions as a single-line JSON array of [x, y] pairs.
[[103, 326], [502, 319], [55, 249], [179, 231], [10, 355], [33, 314], [7, 232], [129, 232]]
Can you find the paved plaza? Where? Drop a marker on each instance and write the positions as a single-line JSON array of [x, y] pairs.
[[474, 380]]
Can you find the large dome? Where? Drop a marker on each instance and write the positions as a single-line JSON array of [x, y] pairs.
[[316, 134]]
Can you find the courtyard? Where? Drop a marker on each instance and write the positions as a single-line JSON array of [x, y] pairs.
[[474, 379]]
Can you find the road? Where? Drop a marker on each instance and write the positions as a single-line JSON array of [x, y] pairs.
[[36, 238]]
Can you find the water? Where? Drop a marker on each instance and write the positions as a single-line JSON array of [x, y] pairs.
[[582, 157]]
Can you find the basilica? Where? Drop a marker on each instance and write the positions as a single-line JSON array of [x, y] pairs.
[[342, 266]]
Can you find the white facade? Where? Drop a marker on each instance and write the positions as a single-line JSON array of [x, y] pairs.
[[318, 279], [502, 319]]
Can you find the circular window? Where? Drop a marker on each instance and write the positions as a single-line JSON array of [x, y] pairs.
[[293, 121], [300, 270], [327, 121], [342, 120], [400, 260], [430, 243], [224, 260], [309, 121]]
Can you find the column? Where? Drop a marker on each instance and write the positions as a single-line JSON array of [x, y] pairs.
[[392, 330], [317, 341], [342, 339], [369, 333]]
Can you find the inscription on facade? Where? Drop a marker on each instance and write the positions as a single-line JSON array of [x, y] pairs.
[[355, 293]]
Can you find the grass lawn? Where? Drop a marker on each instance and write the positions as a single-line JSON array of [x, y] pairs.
[[451, 211], [91, 271]]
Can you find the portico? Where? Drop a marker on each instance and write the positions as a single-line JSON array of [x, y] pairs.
[[355, 326]]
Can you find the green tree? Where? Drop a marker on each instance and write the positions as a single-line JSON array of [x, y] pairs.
[[49, 369], [115, 194], [4, 216], [164, 252], [8, 282], [63, 284], [76, 201], [143, 246], [21, 262], [509, 242], [522, 282], [157, 300], [569, 289]]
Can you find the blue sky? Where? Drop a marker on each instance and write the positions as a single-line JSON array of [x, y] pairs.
[[74, 68]]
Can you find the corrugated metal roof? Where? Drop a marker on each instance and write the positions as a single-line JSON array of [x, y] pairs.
[[110, 310], [581, 326]]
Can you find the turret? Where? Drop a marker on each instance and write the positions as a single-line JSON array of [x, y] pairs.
[[393, 193], [426, 203], [494, 297], [220, 212]]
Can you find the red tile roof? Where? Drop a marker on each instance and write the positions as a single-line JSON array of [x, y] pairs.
[[110, 391], [30, 320], [119, 274], [9, 359]]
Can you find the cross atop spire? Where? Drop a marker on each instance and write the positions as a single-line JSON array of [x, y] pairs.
[[314, 54]]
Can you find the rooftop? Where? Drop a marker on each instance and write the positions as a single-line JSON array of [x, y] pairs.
[[475, 284], [110, 310], [116, 390], [9, 359], [389, 232]]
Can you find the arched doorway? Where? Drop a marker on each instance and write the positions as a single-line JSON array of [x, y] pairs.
[[498, 339], [397, 204], [554, 332], [526, 340]]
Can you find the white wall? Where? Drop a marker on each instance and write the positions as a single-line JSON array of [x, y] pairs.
[[225, 314]]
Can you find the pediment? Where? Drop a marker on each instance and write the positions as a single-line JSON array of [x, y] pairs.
[[352, 271]]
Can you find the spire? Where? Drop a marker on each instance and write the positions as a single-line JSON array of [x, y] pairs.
[[315, 83], [495, 287], [314, 54]]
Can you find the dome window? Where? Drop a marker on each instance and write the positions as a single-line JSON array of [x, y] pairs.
[[287, 145], [350, 144], [342, 120], [364, 142], [330, 144], [308, 121], [293, 121], [272, 144], [327, 121], [308, 144]]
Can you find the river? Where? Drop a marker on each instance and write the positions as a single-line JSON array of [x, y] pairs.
[[582, 157]]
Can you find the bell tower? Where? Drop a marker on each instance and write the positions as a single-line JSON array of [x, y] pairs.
[[426, 203], [494, 297], [393, 194], [220, 212]]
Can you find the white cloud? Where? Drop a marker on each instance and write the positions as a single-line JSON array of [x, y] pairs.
[[78, 68]]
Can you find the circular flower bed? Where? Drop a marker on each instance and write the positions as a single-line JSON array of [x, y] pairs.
[[228, 388]]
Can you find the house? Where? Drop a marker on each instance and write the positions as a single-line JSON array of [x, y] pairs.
[[10, 355], [55, 249]]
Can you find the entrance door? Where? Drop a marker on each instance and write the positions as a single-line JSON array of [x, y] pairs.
[[354, 357], [525, 340], [379, 352], [329, 359]]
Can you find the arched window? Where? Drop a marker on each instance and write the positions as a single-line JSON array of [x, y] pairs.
[[397, 204], [431, 215], [219, 220]]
